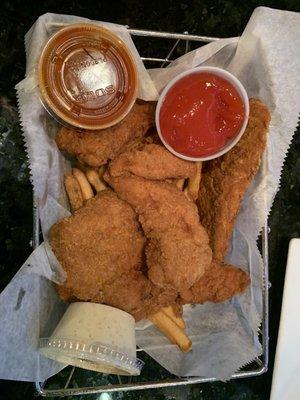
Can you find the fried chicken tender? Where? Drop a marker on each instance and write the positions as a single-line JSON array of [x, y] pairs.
[[136, 294], [101, 249], [219, 283], [95, 148], [223, 184], [98, 243], [152, 161], [225, 179], [177, 251]]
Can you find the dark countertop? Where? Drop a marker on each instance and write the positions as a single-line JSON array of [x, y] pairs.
[[223, 18]]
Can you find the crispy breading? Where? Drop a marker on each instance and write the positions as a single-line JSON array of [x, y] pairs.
[[135, 293], [152, 161], [95, 148], [98, 243], [223, 184], [101, 249], [177, 251], [225, 179], [219, 283]]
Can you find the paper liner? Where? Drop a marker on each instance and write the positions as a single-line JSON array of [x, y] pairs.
[[224, 336]]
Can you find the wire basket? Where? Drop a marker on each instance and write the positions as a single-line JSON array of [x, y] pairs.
[[62, 383]]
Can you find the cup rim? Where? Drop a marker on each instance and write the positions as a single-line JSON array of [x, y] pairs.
[[219, 72], [51, 107]]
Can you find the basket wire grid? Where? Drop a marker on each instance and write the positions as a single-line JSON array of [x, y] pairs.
[[258, 366]]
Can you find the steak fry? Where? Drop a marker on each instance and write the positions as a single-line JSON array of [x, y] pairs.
[[95, 148]]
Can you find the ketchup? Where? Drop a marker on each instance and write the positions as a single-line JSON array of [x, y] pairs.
[[200, 114]]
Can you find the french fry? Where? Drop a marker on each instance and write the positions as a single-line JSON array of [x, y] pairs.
[[172, 331], [169, 311], [101, 171], [94, 180], [187, 194], [86, 189], [74, 192], [179, 183], [194, 183], [83, 167]]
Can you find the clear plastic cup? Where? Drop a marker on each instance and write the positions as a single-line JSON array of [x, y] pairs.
[[87, 77], [95, 337]]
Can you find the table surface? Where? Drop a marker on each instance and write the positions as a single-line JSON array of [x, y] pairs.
[[224, 18]]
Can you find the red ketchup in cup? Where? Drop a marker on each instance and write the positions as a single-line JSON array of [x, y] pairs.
[[202, 113]]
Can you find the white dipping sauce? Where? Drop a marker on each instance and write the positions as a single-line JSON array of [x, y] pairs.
[[94, 336]]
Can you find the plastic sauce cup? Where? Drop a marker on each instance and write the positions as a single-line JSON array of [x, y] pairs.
[[87, 77], [95, 337], [227, 77]]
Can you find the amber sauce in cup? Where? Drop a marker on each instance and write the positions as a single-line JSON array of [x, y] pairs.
[[87, 77]]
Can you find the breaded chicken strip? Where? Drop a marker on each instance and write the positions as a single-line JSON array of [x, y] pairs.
[[95, 148], [97, 244], [152, 161], [219, 283], [134, 293], [225, 179], [177, 251], [101, 249], [223, 184]]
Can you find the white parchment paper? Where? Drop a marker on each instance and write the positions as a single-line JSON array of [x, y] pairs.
[[224, 336]]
